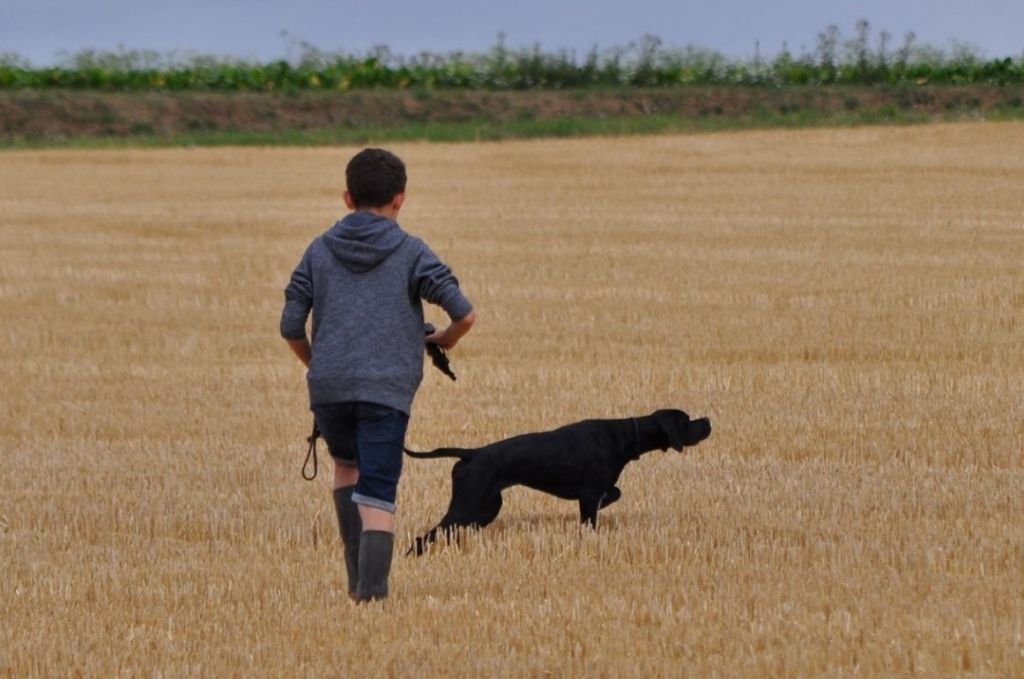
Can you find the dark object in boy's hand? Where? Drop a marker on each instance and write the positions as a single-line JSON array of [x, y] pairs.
[[437, 354]]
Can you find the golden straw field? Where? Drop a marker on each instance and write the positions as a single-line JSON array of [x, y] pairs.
[[846, 305]]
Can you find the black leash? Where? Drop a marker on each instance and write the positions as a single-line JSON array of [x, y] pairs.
[[311, 454], [636, 433]]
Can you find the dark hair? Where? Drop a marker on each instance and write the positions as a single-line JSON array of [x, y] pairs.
[[374, 177]]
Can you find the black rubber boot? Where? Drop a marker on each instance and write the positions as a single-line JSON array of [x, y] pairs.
[[351, 528], [375, 549]]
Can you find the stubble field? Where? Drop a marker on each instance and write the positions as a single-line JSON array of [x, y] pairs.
[[846, 306]]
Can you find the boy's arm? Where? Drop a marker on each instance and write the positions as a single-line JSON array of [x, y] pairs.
[[451, 335], [298, 302], [437, 285]]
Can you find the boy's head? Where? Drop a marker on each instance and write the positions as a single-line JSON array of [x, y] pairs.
[[374, 178]]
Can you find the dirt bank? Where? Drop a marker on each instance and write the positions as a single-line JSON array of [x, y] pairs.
[[57, 115]]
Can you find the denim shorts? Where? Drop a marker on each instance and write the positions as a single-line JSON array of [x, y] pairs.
[[370, 437]]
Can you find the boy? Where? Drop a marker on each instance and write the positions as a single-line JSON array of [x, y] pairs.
[[364, 280]]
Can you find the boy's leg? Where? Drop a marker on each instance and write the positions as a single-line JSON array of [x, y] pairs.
[[337, 425], [380, 436], [350, 526], [377, 519], [345, 474]]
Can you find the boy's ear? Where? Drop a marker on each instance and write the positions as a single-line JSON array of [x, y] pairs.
[[397, 201], [349, 203]]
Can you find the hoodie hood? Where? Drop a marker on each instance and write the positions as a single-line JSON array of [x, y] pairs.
[[362, 240]]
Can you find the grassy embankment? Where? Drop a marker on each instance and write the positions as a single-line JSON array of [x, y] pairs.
[[90, 119]]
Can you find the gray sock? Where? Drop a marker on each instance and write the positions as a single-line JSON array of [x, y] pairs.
[[351, 528], [375, 549]]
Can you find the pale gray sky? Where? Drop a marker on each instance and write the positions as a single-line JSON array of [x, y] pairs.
[[39, 29]]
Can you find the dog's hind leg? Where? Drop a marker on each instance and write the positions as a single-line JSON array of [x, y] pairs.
[[473, 504], [421, 543], [448, 527], [489, 510]]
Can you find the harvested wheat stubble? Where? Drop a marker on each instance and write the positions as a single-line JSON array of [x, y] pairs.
[[844, 304]]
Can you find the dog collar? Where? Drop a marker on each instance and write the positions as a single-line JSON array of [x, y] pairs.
[[636, 439]]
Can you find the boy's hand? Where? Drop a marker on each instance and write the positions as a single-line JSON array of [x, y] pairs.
[[450, 336], [302, 349], [438, 337]]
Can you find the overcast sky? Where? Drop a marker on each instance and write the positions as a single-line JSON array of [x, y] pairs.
[[40, 29]]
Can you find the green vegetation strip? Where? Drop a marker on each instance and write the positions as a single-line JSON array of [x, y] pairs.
[[862, 59], [483, 130]]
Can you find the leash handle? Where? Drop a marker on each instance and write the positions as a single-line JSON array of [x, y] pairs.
[[437, 354], [311, 454]]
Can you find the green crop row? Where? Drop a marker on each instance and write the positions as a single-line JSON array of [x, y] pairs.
[[645, 63]]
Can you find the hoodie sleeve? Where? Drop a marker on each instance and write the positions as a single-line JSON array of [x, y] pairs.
[[298, 300], [437, 285]]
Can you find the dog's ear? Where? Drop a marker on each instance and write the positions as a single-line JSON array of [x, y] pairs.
[[673, 423]]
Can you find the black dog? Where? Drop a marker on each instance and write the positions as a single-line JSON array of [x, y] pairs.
[[580, 461]]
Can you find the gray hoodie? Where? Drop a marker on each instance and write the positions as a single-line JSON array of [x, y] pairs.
[[364, 280]]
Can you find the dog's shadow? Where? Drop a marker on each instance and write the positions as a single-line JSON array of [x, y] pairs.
[[522, 533], [560, 524]]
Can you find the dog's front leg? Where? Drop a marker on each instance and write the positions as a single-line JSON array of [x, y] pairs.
[[611, 496]]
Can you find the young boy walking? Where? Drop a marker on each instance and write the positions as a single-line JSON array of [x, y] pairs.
[[363, 280]]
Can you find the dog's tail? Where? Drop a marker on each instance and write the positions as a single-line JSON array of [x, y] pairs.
[[461, 453]]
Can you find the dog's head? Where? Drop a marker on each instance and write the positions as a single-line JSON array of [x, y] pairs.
[[680, 430]]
